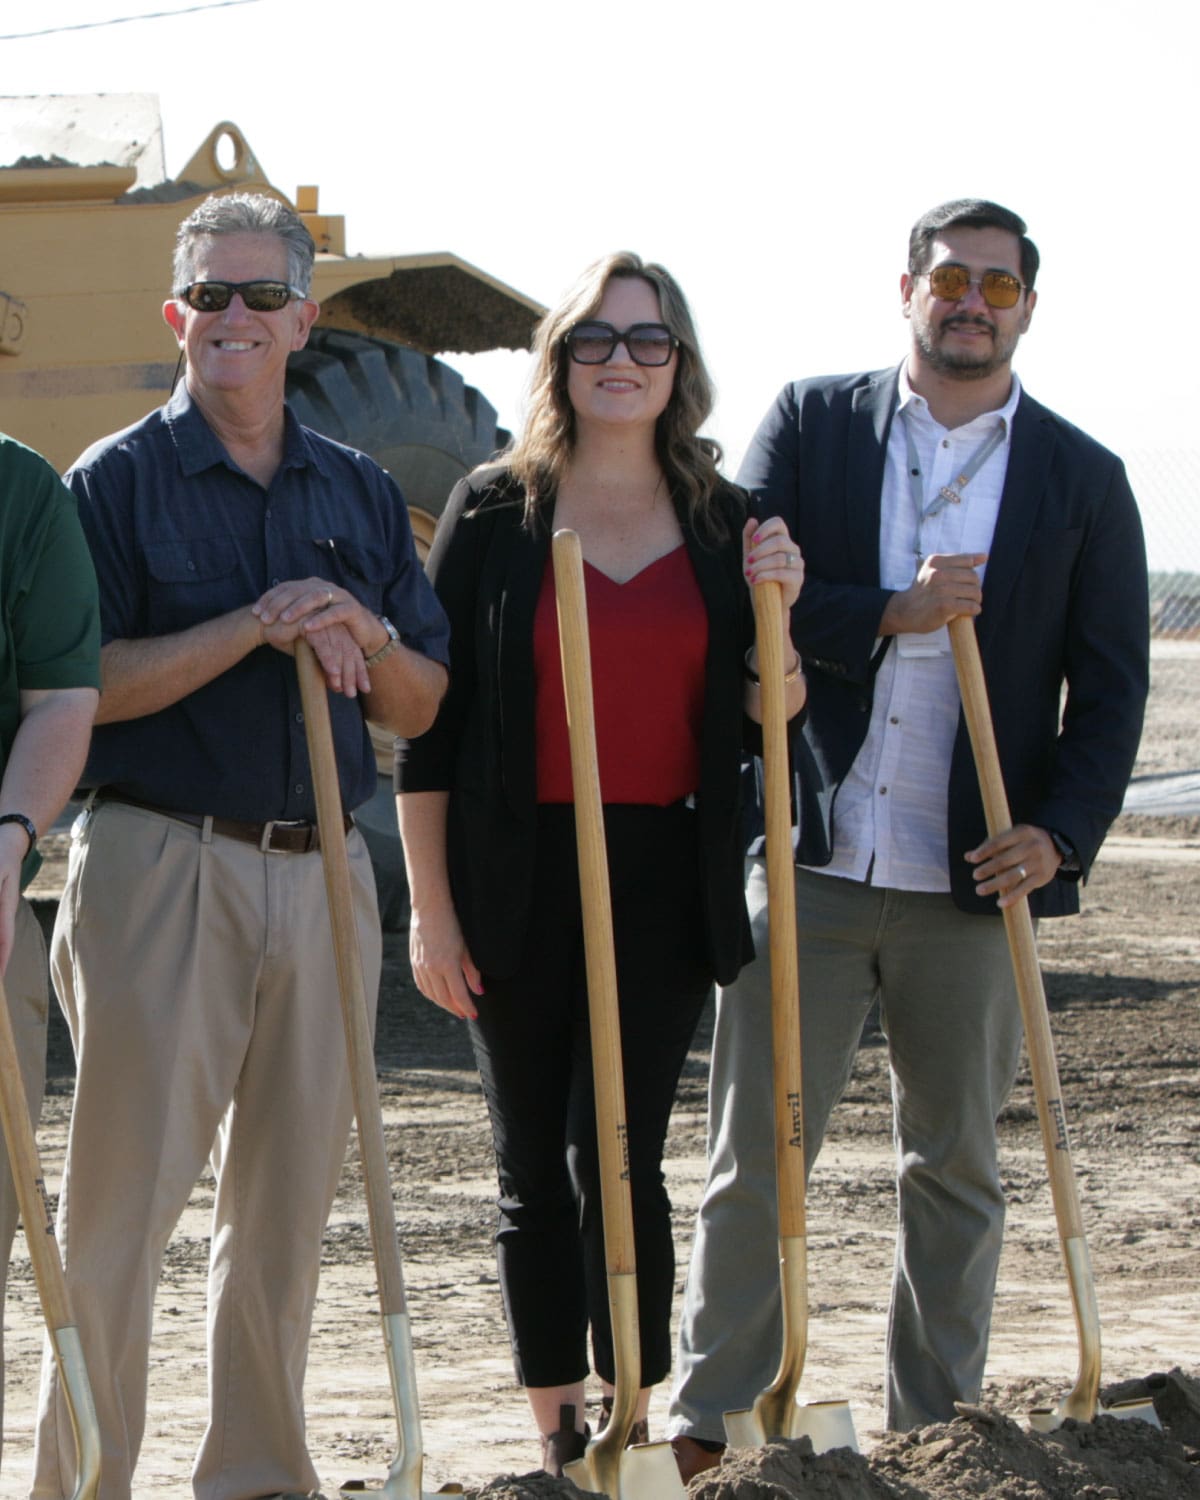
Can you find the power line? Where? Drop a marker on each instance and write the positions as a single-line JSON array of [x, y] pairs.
[[153, 15]]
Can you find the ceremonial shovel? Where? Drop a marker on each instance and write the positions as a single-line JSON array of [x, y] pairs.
[[647, 1471], [403, 1480], [1082, 1402], [776, 1413], [47, 1265]]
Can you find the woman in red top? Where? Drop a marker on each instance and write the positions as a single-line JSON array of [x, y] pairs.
[[610, 450]]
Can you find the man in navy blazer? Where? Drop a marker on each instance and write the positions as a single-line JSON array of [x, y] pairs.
[[917, 494]]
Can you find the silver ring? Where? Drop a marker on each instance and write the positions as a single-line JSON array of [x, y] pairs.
[[1022, 872], [328, 598]]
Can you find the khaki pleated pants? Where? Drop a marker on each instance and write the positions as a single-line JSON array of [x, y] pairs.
[[198, 979]]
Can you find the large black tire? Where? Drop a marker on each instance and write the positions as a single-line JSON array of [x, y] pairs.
[[419, 420], [414, 415]]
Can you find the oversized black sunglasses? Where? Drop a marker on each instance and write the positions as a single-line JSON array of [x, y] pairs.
[[949, 282], [259, 296], [593, 343]]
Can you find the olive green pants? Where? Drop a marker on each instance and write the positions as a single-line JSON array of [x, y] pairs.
[[948, 1006]]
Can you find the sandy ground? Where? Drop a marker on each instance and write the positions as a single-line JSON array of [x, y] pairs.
[[1123, 982]]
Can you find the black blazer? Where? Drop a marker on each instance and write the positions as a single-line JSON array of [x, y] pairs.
[[1064, 601], [487, 567]]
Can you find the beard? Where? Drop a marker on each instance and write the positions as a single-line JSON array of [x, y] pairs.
[[963, 364]]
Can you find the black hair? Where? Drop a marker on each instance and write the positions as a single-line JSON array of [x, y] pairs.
[[970, 213]]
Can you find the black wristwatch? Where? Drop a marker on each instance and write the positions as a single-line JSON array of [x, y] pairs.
[[1070, 869], [26, 823]]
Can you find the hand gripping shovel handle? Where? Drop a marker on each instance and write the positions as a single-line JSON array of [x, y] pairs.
[[1081, 1402], [404, 1476], [47, 1265]]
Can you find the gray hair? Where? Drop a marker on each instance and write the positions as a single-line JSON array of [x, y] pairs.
[[245, 213]]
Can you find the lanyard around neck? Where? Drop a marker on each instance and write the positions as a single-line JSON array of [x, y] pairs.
[[949, 494]]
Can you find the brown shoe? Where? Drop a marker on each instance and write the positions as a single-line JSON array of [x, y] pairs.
[[694, 1455], [565, 1445]]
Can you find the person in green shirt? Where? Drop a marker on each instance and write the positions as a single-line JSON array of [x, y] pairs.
[[49, 689]]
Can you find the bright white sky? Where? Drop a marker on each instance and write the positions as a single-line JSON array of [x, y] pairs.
[[772, 153]]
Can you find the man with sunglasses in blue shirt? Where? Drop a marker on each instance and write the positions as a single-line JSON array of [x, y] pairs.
[[193, 953], [917, 494]]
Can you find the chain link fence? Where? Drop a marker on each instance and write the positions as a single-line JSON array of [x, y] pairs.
[[1166, 482]]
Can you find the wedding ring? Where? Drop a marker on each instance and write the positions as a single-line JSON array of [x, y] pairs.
[[1022, 872]]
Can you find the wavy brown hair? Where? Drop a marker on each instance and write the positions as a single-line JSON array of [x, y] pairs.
[[540, 456]]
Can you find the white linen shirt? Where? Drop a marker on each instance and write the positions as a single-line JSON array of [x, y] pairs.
[[889, 815]]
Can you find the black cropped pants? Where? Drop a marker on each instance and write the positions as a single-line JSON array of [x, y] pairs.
[[533, 1051]]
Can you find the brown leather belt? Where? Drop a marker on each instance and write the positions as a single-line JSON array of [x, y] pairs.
[[275, 837]]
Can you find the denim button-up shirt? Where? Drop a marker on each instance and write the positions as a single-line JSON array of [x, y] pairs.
[[179, 535]]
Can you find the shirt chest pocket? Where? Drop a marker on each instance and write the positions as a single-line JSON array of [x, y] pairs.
[[189, 582], [360, 569]]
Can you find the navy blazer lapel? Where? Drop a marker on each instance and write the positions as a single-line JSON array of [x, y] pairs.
[[1025, 481], [870, 421]]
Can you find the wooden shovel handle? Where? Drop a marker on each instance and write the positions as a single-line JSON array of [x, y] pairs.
[[29, 1183], [596, 900], [47, 1263], [351, 986], [1021, 941], [781, 913]]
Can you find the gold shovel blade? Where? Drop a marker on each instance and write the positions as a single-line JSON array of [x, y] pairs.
[[826, 1424], [1048, 1418], [647, 1471]]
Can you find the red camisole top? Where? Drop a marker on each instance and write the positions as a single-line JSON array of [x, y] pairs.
[[649, 640]]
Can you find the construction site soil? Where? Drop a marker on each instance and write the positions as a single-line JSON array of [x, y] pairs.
[[1123, 982]]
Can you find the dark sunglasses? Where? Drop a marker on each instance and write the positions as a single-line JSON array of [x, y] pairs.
[[259, 296], [950, 283], [647, 343]]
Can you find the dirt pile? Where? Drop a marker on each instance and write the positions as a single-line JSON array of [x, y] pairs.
[[981, 1453]]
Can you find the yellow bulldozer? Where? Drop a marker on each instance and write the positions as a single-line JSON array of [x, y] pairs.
[[87, 228]]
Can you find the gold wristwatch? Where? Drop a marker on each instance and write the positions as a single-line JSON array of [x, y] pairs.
[[392, 643]]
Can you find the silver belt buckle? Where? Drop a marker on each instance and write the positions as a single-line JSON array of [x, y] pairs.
[[264, 843]]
